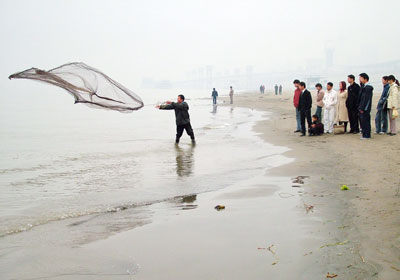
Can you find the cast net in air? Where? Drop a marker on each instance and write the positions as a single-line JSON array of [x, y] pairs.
[[87, 85]]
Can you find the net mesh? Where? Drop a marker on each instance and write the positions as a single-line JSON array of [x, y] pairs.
[[87, 85]]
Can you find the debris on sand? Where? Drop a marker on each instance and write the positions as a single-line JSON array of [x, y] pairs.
[[306, 254], [395, 268], [309, 208], [299, 179], [344, 188], [335, 244], [219, 207], [270, 249], [329, 275], [273, 253]]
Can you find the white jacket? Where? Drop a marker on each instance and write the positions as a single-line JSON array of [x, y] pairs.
[[330, 99], [393, 97]]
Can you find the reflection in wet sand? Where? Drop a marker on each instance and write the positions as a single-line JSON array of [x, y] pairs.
[[215, 107], [184, 160]]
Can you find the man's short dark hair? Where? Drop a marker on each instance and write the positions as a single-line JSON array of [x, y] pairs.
[[385, 78], [391, 78], [318, 85], [351, 76], [365, 76], [303, 84], [296, 82], [181, 97], [330, 84], [315, 117]]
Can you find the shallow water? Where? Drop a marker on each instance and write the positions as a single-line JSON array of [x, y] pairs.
[[59, 160]]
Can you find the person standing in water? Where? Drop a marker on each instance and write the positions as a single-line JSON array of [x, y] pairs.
[[280, 89], [276, 89], [214, 95], [231, 94], [182, 117]]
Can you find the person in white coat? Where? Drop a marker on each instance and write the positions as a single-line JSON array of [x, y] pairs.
[[330, 100], [392, 103]]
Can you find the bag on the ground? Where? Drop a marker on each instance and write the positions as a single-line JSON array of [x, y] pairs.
[[395, 114], [338, 129]]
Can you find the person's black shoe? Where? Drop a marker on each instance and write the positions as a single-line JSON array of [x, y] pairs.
[[176, 141], [193, 141], [356, 132], [297, 131], [303, 134]]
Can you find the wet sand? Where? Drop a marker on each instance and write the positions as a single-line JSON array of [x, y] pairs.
[[367, 215], [353, 234]]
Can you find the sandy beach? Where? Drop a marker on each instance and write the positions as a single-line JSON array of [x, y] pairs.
[[368, 214]]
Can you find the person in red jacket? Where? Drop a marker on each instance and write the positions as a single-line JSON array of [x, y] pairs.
[[296, 99]]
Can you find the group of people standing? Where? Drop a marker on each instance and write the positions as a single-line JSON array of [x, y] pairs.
[[214, 95], [349, 105], [278, 89], [262, 88]]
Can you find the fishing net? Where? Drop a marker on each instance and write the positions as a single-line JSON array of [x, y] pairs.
[[87, 85]]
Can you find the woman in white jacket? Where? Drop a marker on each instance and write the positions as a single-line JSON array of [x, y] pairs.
[[392, 103], [330, 101]]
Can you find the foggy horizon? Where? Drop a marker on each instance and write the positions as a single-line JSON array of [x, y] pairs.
[[132, 40]]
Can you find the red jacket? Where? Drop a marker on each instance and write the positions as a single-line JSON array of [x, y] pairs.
[[296, 97]]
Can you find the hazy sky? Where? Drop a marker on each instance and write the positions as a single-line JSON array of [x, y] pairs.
[[132, 39]]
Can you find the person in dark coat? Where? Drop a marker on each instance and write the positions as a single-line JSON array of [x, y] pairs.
[[181, 115], [365, 105], [214, 96], [381, 117], [353, 92], [305, 104], [317, 128]]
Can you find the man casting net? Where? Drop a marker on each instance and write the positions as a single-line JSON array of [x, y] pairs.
[[88, 85]]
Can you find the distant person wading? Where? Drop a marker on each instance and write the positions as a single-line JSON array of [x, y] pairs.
[[231, 94], [214, 96]]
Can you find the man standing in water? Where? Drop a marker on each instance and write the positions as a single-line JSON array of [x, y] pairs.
[[280, 89], [276, 89], [214, 95], [181, 115], [231, 94]]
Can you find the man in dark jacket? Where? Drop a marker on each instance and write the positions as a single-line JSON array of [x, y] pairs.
[[381, 117], [365, 105], [352, 104], [305, 103], [181, 115]]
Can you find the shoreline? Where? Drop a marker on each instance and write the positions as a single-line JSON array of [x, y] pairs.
[[368, 212], [187, 236]]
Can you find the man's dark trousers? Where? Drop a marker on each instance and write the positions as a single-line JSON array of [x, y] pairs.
[[353, 119], [365, 119], [303, 116], [179, 131]]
